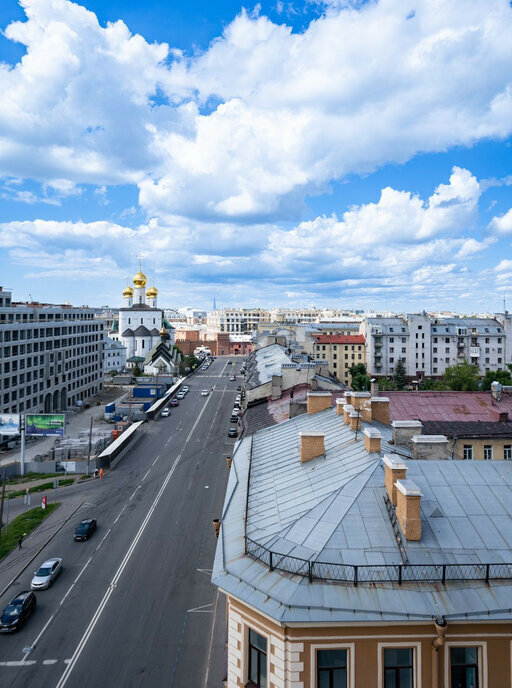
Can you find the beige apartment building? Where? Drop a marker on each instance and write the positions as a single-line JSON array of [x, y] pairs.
[[346, 564], [341, 352]]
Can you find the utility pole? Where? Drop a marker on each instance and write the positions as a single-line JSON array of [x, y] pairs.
[[22, 431], [89, 451]]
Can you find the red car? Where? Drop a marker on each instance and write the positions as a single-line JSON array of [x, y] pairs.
[[174, 402]]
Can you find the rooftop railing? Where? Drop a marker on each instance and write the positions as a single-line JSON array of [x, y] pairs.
[[376, 573]]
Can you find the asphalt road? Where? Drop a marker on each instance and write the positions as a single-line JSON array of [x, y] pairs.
[[134, 605]]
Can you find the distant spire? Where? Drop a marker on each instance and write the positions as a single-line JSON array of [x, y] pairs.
[[214, 304]]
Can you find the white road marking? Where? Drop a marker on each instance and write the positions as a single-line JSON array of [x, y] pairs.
[[146, 475], [207, 571], [83, 641], [133, 493], [47, 662], [119, 514], [203, 609], [211, 641], [18, 664], [155, 460]]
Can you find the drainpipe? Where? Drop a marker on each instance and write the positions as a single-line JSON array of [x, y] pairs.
[[440, 626]]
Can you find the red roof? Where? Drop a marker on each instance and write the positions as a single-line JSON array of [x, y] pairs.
[[448, 406], [339, 338]]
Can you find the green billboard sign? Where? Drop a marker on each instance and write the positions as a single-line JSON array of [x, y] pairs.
[[45, 424]]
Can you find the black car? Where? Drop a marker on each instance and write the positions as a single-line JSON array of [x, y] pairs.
[[17, 612], [239, 388], [232, 432], [85, 529]]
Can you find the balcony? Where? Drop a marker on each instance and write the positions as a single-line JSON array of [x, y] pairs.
[[474, 351]]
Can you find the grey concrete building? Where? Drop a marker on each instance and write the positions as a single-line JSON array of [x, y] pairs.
[[51, 355]]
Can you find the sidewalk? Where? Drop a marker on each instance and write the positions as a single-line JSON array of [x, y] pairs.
[[75, 422]]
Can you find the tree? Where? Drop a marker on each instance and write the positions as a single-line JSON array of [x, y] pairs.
[[113, 373], [137, 372], [399, 375], [360, 380], [462, 377], [491, 376], [386, 385], [434, 385]]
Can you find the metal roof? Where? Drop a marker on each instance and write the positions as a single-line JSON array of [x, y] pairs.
[[331, 509], [264, 363], [458, 406]]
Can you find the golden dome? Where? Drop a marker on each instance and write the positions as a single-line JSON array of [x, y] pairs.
[[152, 293], [140, 279], [163, 332], [128, 291]]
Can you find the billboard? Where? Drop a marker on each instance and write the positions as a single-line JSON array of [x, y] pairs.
[[9, 424], [45, 424]]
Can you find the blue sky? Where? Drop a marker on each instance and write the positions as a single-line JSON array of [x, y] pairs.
[[338, 153]]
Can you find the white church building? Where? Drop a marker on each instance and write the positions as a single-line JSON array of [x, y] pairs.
[[140, 327]]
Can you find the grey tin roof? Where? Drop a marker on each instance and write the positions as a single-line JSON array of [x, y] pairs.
[[263, 364], [331, 509]]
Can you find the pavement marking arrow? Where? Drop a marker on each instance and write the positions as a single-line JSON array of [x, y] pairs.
[[202, 609]]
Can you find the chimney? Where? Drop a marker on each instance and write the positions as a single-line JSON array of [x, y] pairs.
[[372, 439], [374, 387], [340, 405], [354, 418], [318, 401], [431, 447], [408, 509], [311, 445], [367, 411], [359, 398], [347, 410], [380, 409], [394, 470], [405, 430]]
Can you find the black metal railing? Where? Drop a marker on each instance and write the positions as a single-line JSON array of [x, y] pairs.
[[376, 573]]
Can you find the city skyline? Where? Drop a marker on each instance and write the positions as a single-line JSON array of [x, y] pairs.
[[337, 154]]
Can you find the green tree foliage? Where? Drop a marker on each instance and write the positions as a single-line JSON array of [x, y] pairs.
[[137, 370], [399, 375], [434, 385], [462, 377], [491, 376], [386, 385], [360, 379]]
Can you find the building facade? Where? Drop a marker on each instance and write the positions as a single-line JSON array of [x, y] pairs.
[[427, 346], [52, 356], [115, 356], [340, 352]]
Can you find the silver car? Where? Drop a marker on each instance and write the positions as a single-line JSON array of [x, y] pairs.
[[46, 574]]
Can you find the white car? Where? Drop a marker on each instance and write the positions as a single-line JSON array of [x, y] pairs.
[[166, 412], [204, 393], [184, 389], [180, 395], [46, 574]]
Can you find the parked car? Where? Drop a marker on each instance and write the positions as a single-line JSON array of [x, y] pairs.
[[232, 432], [46, 574], [239, 388], [184, 389], [180, 395], [17, 612], [204, 393], [166, 412], [174, 402], [85, 529], [234, 417]]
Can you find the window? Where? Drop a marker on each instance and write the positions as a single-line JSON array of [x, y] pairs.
[[398, 667], [468, 452], [331, 668], [507, 452], [257, 659], [488, 452], [464, 667]]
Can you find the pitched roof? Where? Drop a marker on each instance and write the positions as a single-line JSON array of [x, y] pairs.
[[142, 331], [127, 333], [471, 428], [475, 406], [339, 338]]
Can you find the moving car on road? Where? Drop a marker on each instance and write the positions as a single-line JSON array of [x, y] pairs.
[[166, 412], [46, 574], [231, 378], [85, 529], [204, 393], [17, 612]]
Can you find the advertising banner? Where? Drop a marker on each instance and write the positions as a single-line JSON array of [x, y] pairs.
[[46, 424], [9, 423]]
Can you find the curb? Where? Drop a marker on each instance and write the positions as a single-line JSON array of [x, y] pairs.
[[2, 592]]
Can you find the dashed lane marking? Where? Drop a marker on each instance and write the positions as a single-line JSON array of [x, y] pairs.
[[18, 664], [47, 662]]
